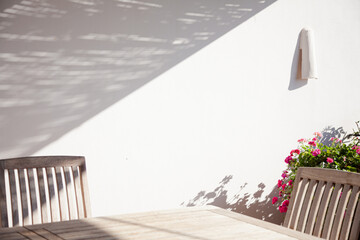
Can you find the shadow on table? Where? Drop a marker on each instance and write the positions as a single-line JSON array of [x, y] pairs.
[[126, 227]]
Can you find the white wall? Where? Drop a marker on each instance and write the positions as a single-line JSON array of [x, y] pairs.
[[231, 108]]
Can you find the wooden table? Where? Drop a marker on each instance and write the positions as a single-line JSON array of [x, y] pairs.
[[197, 223]]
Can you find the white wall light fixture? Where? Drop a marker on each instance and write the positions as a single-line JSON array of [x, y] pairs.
[[307, 68]]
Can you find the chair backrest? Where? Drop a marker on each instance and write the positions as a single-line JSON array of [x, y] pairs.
[[35, 190], [325, 203]]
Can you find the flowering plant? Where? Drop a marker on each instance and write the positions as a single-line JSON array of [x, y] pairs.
[[314, 153]]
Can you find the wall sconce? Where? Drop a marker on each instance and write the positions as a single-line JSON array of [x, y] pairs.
[[307, 68]]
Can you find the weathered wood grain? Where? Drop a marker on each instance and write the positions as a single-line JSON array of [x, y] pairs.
[[198, 223], [327, 210], [43, 189]]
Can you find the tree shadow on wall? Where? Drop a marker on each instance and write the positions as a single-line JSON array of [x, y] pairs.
[[63, 62], [253, 205], [332, 132]]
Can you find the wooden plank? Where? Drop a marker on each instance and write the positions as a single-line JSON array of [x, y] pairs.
[[322, 209], [306, 206], [61, 186], [35, 210], [3, 208], [340, 213], [299, 203], [331, 175], [42, 193], [190, 224], [264, 224], [23, 182], [329, 219], [14, 208], [46, 234], [153, 216], [18, 198], [355, 229], [78, 193], [315, 207], [85, 189], [294, 195], [40, 162], [53, 197], [350, 210], [31, 235], [211, 226], [71, 195], [29, 219], [12, 236]]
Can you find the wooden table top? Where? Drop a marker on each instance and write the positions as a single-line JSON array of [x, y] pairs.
[[197, 223]]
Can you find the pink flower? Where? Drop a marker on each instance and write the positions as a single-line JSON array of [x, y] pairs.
[[358, 151], [301, 140], [283, 186], [332, 139], [283, 209], [312, 143], [274, 200], [317, 134], [290, 182], [283, 175], [279, 183], [288, 159], [297, 151], [330, 160], [314, 139], [344, 158], [285, 203], [315, 152]]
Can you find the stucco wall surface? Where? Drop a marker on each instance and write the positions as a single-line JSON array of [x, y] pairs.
[[171, 109]]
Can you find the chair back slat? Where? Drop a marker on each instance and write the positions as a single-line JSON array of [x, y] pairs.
[[62, 193], [24, 197], [355, 230], [70, 189], [306, 205], [320, 219], [325, 203], [350, 211], [42, 193], [3, 208], [53, 201], [13, 205], [84, 190], [315, 207], [331, 210], [340, 212], [78, 192], [37, 190], [304, 183], [35, 211]]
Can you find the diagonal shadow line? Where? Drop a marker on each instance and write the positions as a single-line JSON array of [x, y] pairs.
[[72, 62]]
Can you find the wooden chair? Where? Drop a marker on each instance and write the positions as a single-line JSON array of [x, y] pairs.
[[325, 203], [35, 190]]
